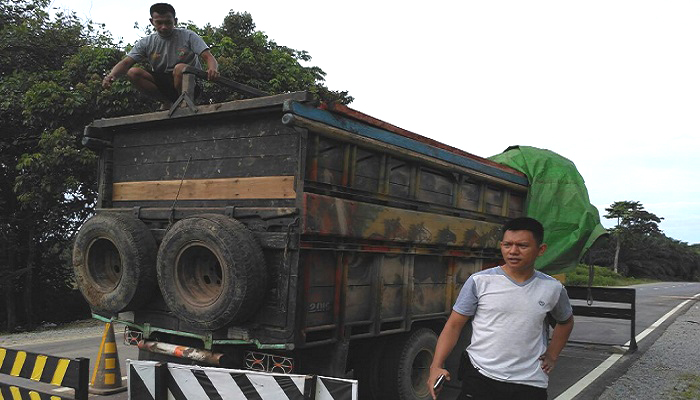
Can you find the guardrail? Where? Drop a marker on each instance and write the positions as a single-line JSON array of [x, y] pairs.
[[593, 295], [64, 372]]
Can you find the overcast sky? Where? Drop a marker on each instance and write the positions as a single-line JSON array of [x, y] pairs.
[[612, 85]]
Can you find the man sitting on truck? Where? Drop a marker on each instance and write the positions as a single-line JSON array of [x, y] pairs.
[[508, 357], [169, 50]]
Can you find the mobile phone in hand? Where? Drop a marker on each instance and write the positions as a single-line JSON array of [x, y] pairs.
[[438, 383]]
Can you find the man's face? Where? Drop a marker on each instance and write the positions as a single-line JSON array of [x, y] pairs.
[[520, 250], [164, 23]]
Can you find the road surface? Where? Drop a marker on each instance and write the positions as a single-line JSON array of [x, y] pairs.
[[577, 359]]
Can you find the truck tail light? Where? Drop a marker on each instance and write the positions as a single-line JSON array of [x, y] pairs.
[[268, 362]]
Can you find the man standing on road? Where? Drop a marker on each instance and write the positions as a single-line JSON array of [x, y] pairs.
[[168, 51], [508, 357]]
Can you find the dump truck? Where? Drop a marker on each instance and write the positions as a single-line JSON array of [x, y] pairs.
[[284, 235]]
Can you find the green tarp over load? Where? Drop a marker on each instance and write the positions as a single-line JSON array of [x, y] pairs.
[[558, 198]]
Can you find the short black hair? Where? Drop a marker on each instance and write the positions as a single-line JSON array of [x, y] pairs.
[[162, 9], [526, 224]]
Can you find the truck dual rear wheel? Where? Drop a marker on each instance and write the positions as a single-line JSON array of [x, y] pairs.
[[406, 366], [211, 271], [114, 259]]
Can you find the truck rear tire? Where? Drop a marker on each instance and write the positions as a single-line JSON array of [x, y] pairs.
[[114, 259], [406, 366], [211, 271]]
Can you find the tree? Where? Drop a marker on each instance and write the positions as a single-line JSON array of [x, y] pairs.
[[618, 210], [45, 174], [641, 247], [249, 56], [695, 247], [50, 88], [631, 218]]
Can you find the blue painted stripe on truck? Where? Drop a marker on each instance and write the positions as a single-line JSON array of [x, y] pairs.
[[398, 140]]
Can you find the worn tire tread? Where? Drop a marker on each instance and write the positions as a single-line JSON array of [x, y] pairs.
[[397, 365], [248, 266], [137, 249]]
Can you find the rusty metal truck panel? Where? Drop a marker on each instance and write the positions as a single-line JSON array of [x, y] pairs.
[[362, 230], [409, 143]]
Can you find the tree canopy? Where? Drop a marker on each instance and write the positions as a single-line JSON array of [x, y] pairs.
[[633, 218], [644, 251], [51, 68]]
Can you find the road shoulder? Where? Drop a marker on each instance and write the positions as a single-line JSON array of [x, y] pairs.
[[669, 368]]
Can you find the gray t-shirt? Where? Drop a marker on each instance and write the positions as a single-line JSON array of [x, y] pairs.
[[183, 46], [508, 325]]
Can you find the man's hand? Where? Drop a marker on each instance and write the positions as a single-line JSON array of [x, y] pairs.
[[559, 337], [212, 73], [433, 377], [119, 70], [212, 65], [547, 362], [107, 81]]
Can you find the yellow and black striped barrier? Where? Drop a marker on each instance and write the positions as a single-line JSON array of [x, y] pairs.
[[64, 372]]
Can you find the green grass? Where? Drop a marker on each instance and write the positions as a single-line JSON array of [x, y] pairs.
[[602, 277], [689, 387]]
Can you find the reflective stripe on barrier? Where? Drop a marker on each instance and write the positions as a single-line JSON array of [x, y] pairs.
[[58, 371], [183, 382]]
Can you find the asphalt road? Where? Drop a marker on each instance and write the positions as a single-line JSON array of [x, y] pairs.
[[577, 359]]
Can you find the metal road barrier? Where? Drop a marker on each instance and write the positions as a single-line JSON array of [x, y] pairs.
[[152, 380], [623, 296], [64, 372]]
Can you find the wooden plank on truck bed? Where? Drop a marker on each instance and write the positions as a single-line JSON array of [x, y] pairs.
[[263, 187]]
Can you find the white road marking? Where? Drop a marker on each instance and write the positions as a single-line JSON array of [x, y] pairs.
[[584, 382]]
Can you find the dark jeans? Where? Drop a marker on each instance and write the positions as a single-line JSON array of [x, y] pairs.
[[476, 386], [166, 85]]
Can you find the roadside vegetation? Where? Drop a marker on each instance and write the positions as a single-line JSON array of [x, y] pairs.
[[687, 388], [602, 276], [636, 247]]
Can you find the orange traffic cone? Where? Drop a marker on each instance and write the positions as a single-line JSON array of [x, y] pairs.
[[107, 376]]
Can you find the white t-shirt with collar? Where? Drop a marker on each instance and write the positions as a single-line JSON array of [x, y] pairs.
[[508, 323]]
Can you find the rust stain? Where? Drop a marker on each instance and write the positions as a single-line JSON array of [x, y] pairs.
[[327, 215]]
